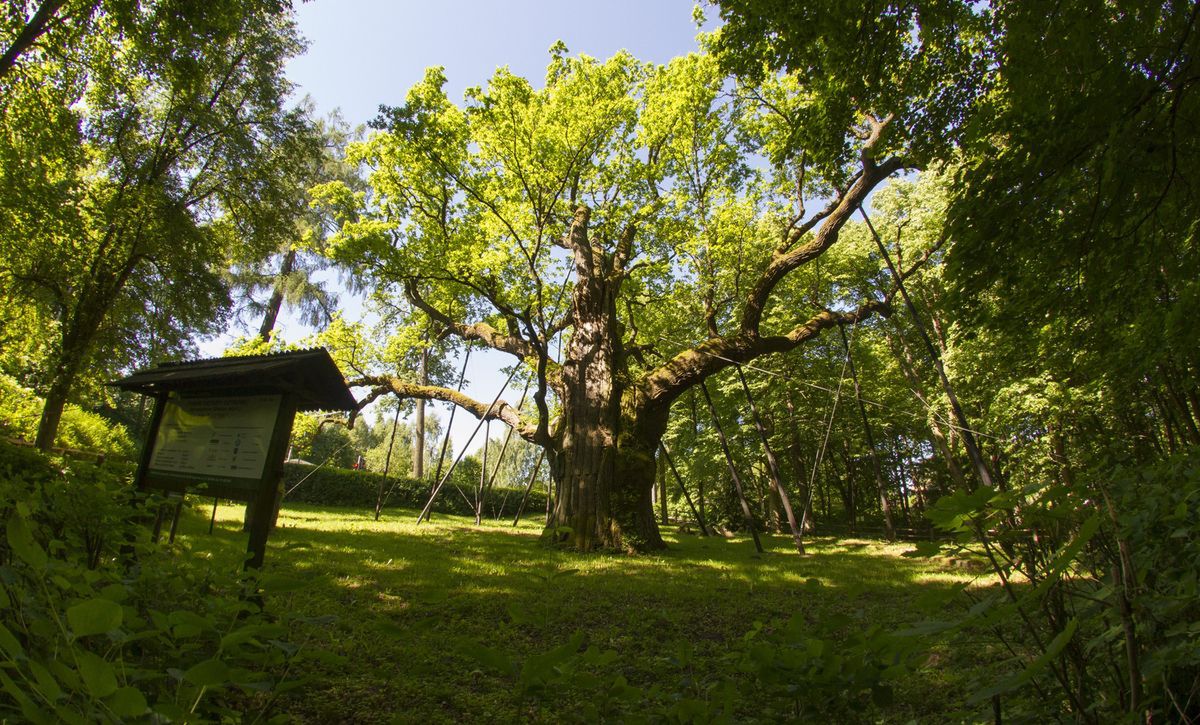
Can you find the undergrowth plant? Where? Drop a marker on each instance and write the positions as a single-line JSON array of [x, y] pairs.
[[98, 623], [1097, 605]]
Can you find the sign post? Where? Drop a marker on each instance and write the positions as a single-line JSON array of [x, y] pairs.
[[223, 425]]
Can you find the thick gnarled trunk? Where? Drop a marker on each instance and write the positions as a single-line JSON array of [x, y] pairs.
[[604, 463], [604, 474]]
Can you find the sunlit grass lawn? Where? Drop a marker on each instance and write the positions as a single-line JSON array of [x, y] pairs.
[[410, 600]]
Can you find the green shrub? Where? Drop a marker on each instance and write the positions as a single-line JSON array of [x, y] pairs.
[[21, 408], [89, 634], [328, 486]]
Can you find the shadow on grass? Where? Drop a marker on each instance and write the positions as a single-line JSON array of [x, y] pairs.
[[411, 600]]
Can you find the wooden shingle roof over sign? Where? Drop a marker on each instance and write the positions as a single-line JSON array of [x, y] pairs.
[[310, 375]]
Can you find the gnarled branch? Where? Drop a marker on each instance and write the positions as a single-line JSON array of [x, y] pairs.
[[501, 411], [669, 380], [480, 331]]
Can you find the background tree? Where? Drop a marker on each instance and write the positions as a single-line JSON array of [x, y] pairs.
[[288, 277], [140, 158], [1069, 263]]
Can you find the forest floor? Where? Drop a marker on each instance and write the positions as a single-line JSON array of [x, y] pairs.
[[453, 622]]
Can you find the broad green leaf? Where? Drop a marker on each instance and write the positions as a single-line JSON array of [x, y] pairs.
[[9, 644], [128, 702], [20, 540], [95, 616], [209, 673], [98, 675], [29, 710], [45, 681]]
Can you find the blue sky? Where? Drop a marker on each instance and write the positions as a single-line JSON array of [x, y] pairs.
[[363, 53], [366, 52]]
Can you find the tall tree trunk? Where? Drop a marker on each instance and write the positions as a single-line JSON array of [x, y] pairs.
[[275, 304], [607, 438], [604, 476], [52, 410], [78, 332]]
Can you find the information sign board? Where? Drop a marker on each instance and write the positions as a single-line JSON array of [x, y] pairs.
[[215, 439]]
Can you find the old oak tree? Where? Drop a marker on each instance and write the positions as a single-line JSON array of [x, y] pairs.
[[624, 232]]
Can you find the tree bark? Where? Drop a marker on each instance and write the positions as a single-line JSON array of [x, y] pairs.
[[275, 304], [604, 465], [78, 331], [33, 29]]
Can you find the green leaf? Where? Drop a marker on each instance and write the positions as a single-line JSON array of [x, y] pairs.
[[249, 632], [9, 644], [46, 683], [98, 675], [128, 702], [1035, 668], [209, 673], [28, 709], [20, 540], [325, 657], [95, 616]]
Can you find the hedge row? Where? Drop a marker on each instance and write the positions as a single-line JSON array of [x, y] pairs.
[[328, 486]]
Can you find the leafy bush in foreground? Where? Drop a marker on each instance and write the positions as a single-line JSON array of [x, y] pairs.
[[88, 633]]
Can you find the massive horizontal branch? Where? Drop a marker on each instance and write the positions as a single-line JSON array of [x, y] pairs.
[[688, 368], [784, 262], [501, 411]]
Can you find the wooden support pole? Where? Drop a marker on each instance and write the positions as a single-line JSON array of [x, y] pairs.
[[175, 520], [773, 475], [662, 488], [500, 458], [462, 376], [704, 530], [875, 467], [387, 463], [424, 515], [529, 486], [479, 491], [737, 480], [985, 476], [213, 521], [264, 499]]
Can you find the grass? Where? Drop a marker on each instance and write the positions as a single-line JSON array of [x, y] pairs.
[[411, 602]]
